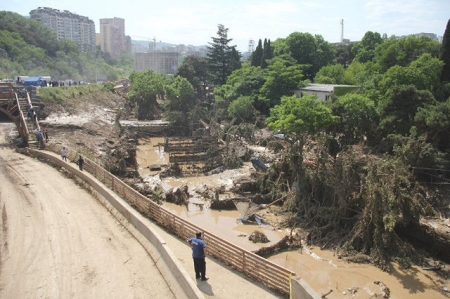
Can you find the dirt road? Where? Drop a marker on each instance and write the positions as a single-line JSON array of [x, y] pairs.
[[57, 241]]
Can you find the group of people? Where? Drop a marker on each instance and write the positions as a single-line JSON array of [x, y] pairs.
[[80, 160]]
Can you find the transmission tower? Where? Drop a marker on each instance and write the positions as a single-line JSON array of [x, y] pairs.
[[251, 45]]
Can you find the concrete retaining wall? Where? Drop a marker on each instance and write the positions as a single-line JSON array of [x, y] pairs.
[[301, 290]]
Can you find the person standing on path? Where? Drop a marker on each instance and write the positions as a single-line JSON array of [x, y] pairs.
[[80, 162], [64, 154], [198, 254]]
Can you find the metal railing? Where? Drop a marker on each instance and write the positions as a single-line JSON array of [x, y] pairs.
[[254, 266]]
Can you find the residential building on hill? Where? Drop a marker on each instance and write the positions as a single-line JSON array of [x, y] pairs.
[[112, 37], [68, 25]]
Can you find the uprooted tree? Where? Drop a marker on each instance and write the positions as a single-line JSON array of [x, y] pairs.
[[352, 203]]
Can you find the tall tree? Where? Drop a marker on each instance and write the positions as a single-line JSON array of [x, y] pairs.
[[257, 54], [282, 79], [267, 54], [445, 54], [194, 69], [221, 57], [365, 50]]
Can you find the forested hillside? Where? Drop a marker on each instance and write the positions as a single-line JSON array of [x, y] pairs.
[[29, 48]]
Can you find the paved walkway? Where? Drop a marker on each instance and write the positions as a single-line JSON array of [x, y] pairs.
[[223, 282]]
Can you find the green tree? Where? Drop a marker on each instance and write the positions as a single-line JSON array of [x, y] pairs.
[[331, 74], [364, 51], [402, 76], [242, 110], [257, 54], [195, 70], [358, 117], [299, 118], [179, 100], [267, 54], [312, 52], [445, 54], [431, 69], [145, 89], [222, 58], [433, 120], [343, 54], [398, 110], [282, 79], [402, 52]]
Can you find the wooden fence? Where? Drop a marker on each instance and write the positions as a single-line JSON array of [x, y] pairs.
[[252, 265]]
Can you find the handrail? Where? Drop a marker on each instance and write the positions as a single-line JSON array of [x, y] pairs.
[[254, 266]]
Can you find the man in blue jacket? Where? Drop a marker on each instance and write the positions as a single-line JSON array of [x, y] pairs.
[[198, 253]]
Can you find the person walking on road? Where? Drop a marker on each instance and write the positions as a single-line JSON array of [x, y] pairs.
[[64, 154], [198, 254], [80, 162]]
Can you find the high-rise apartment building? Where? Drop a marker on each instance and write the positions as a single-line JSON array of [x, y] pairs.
[[68, 25], [112, 37]]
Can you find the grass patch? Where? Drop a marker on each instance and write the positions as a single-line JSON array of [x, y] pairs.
[[60, 95]]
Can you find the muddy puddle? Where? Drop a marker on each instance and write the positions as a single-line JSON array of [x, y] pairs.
[[320, 269]]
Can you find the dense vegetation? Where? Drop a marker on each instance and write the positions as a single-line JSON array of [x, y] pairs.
[[357, 169], [29, 48]]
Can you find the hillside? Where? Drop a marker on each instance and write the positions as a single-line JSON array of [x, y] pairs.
[[32, 49]]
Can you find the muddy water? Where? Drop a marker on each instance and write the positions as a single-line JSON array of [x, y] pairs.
[[149, 152], [320, 269]]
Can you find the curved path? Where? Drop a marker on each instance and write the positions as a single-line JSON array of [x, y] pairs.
[[59, 242]]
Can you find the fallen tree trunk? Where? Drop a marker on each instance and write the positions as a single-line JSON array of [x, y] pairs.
[[286, 243]]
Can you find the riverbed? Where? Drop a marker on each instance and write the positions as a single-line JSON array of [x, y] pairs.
[[321, 269]]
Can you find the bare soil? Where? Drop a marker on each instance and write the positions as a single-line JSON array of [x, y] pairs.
[[59, 242]]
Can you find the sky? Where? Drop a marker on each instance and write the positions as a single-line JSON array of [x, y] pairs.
[[194, 22]]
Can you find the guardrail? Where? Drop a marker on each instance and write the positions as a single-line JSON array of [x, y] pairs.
[[272, 275]]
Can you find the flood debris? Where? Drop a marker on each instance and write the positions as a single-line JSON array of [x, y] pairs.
[[222, 204], [385, 291], [286, 243], [178, 195], [326, 294], [154, 167], [258, 164], [248, 210], [258, 237]]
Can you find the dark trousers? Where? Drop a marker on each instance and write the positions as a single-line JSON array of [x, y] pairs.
[[200, 267]]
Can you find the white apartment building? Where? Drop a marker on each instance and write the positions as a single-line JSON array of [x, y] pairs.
[[68, 25]]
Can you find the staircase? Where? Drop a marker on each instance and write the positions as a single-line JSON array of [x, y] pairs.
[[31, 122]]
